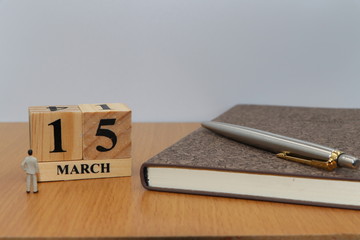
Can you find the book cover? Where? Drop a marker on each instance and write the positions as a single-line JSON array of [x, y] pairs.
[[203, 149]]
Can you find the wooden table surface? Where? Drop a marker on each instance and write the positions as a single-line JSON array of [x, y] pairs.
[[121, 207]]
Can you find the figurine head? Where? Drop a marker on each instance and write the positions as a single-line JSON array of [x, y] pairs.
[[30, 152]]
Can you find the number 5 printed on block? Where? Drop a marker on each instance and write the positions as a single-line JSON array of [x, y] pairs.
[[106, 131]]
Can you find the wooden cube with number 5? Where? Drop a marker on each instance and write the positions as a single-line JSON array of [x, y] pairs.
[[106, 131], [56, 132]]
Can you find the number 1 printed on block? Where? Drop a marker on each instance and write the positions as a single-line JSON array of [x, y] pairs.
[[56, 132]]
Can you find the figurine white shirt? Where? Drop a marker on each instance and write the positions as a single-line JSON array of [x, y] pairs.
[[30, 165]]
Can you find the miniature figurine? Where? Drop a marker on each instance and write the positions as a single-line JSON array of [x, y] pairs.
[[30, 166]]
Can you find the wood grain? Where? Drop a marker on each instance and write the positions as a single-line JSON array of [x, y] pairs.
[[120, 207], [93, 114], [42, 133]]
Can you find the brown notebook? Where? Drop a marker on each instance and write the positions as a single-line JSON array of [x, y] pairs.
[[206, 163]]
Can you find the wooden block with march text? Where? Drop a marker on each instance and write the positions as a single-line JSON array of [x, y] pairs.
[[106, 131], [56, 132], [84, 169]]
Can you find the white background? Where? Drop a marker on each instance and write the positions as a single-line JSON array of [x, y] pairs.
[[184, 60]]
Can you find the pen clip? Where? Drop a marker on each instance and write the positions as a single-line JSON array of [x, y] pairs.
[[329, 165]]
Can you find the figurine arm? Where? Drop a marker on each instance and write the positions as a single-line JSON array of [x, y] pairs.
[[23, 165], [36, 166]]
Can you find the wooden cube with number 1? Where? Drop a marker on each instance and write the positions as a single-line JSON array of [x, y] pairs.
[[56, 132], [106, 131]]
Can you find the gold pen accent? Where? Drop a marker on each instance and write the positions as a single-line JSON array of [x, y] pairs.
[[329, 165]]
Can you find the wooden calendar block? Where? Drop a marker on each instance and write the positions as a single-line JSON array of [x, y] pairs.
[[84, 169], [56, 132], [106, 131]]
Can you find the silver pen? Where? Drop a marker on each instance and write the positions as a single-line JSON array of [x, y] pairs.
[[285, 147]]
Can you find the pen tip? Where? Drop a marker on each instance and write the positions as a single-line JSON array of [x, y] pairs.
[[357, 163], [345, 160]]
